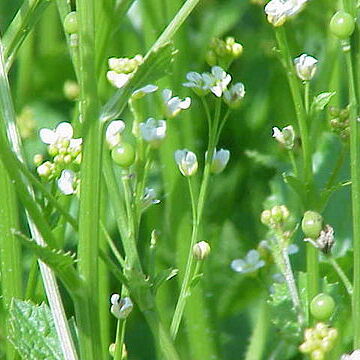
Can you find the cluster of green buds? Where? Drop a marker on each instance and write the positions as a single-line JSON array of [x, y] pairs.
[[319, 340], [223, 52], [339, 122], [122, 69], [275, 217], [66, 157]]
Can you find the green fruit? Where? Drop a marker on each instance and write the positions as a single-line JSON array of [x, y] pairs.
[[342, 24], [312, 224], [322, 306], [123, 155], [71, 23]]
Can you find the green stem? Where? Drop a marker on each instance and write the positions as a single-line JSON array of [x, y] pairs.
[[88, 248], [293, 162], [119, 343], [307, 96], [355, 194], [342, 275], [301, 114], [25, 19]]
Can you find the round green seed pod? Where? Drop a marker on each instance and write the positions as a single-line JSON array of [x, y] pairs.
[[123, 155], [322, 306], [312, 224], [71, 23], [342, 24]]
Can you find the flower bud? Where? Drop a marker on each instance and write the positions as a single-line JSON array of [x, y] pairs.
[[266, 217], [234, 96], [219, 161], [113, 133], [71, 90], [186, 161], [44, 170], [38, 159], [305, 66], [285, 137], [312, 224], [201, 250], [121, 307]]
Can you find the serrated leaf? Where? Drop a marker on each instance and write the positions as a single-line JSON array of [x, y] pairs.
[[153, 68], [32, 331], [61, 262], [283, 314], [163, 276], [322, 100]]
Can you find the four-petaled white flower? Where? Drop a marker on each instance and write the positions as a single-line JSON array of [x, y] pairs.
[[234, 95], [140, 93], [278, 11], [153, 131], [173, 105], [251, 263], [305, 66], [149, 198], [219, 160], [285, 137], [113, 133], [120, 307], [186, 161], [63, 131], [67, 182], [220, 80], [199, 83]]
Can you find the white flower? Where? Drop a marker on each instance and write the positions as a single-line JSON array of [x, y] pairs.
[[219, 160], [153, 131], [285, 137], [220, 80], [355, 355], [186, 161], [140, 93], [234, 95], [118, 80], [199, 83], [149, 198], [113, 133], [305, 66], [63, 131], [120, 308], [278, 11], [173, 105], [67, 182], [251, 263]]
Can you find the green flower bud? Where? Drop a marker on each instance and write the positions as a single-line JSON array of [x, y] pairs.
[[342, 25], [71, 23], [38, 159], [71, 90], [123, 155], [277, 214], [317, 355], [67, 159], [53, 150], [312, 224], [266, 217]]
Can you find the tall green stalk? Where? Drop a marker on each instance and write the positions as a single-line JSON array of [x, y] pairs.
[[307, 174], [87, 312]]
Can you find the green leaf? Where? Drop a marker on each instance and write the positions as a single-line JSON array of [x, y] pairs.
[[322, 100], [283, 314], [153, 68], [61, 262], [32, 331], [163, 276]]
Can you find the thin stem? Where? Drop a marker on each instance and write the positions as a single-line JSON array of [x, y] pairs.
[[342, 275], [307, 96], [119, 342], [89, 212], [312, 262], [355, 194], [293, 162]]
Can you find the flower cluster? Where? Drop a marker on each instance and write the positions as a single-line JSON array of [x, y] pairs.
[[122, 69], [279, 11], [223, 52], [339, 122], [217, 83], [66, 154], [318, 341], [276, 216]]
